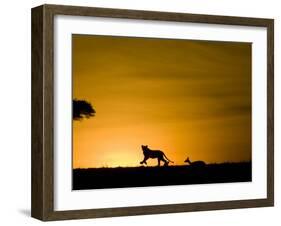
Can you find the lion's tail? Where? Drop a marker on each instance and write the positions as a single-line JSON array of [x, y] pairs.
[[168, 159]]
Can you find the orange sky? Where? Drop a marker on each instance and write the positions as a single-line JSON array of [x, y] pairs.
[[187, 98]]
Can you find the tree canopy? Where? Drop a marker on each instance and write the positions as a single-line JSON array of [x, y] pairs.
[[82, 109]]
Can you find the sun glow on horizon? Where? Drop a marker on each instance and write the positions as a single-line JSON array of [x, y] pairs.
[[186, 98]]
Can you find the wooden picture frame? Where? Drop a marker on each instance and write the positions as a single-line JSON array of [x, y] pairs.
[[42, 203]]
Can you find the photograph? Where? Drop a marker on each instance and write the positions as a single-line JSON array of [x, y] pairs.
[[160, 112]]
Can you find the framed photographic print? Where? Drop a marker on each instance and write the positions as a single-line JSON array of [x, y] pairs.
[[141, 112]]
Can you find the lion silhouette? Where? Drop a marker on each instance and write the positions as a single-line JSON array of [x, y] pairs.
[[153, 154]]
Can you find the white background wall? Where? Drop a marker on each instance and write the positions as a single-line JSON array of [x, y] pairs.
[[15, 111]]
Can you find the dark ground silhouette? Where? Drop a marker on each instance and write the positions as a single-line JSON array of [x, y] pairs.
[[120, 177]]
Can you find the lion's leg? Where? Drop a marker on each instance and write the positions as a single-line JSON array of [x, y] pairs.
[[165, 162], [158, 161], [144, 161]]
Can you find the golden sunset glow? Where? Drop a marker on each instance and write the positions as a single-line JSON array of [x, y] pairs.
[[184, 97]]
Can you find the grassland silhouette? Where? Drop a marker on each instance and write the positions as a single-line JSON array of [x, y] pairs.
[[194, 172]]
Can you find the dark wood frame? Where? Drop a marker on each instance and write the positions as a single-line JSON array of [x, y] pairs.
[[42, 203]]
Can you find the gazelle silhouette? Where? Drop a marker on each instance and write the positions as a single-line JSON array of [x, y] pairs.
[[195, 163]]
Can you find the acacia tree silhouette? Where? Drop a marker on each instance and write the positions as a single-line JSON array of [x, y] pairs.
[[82, 109]]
